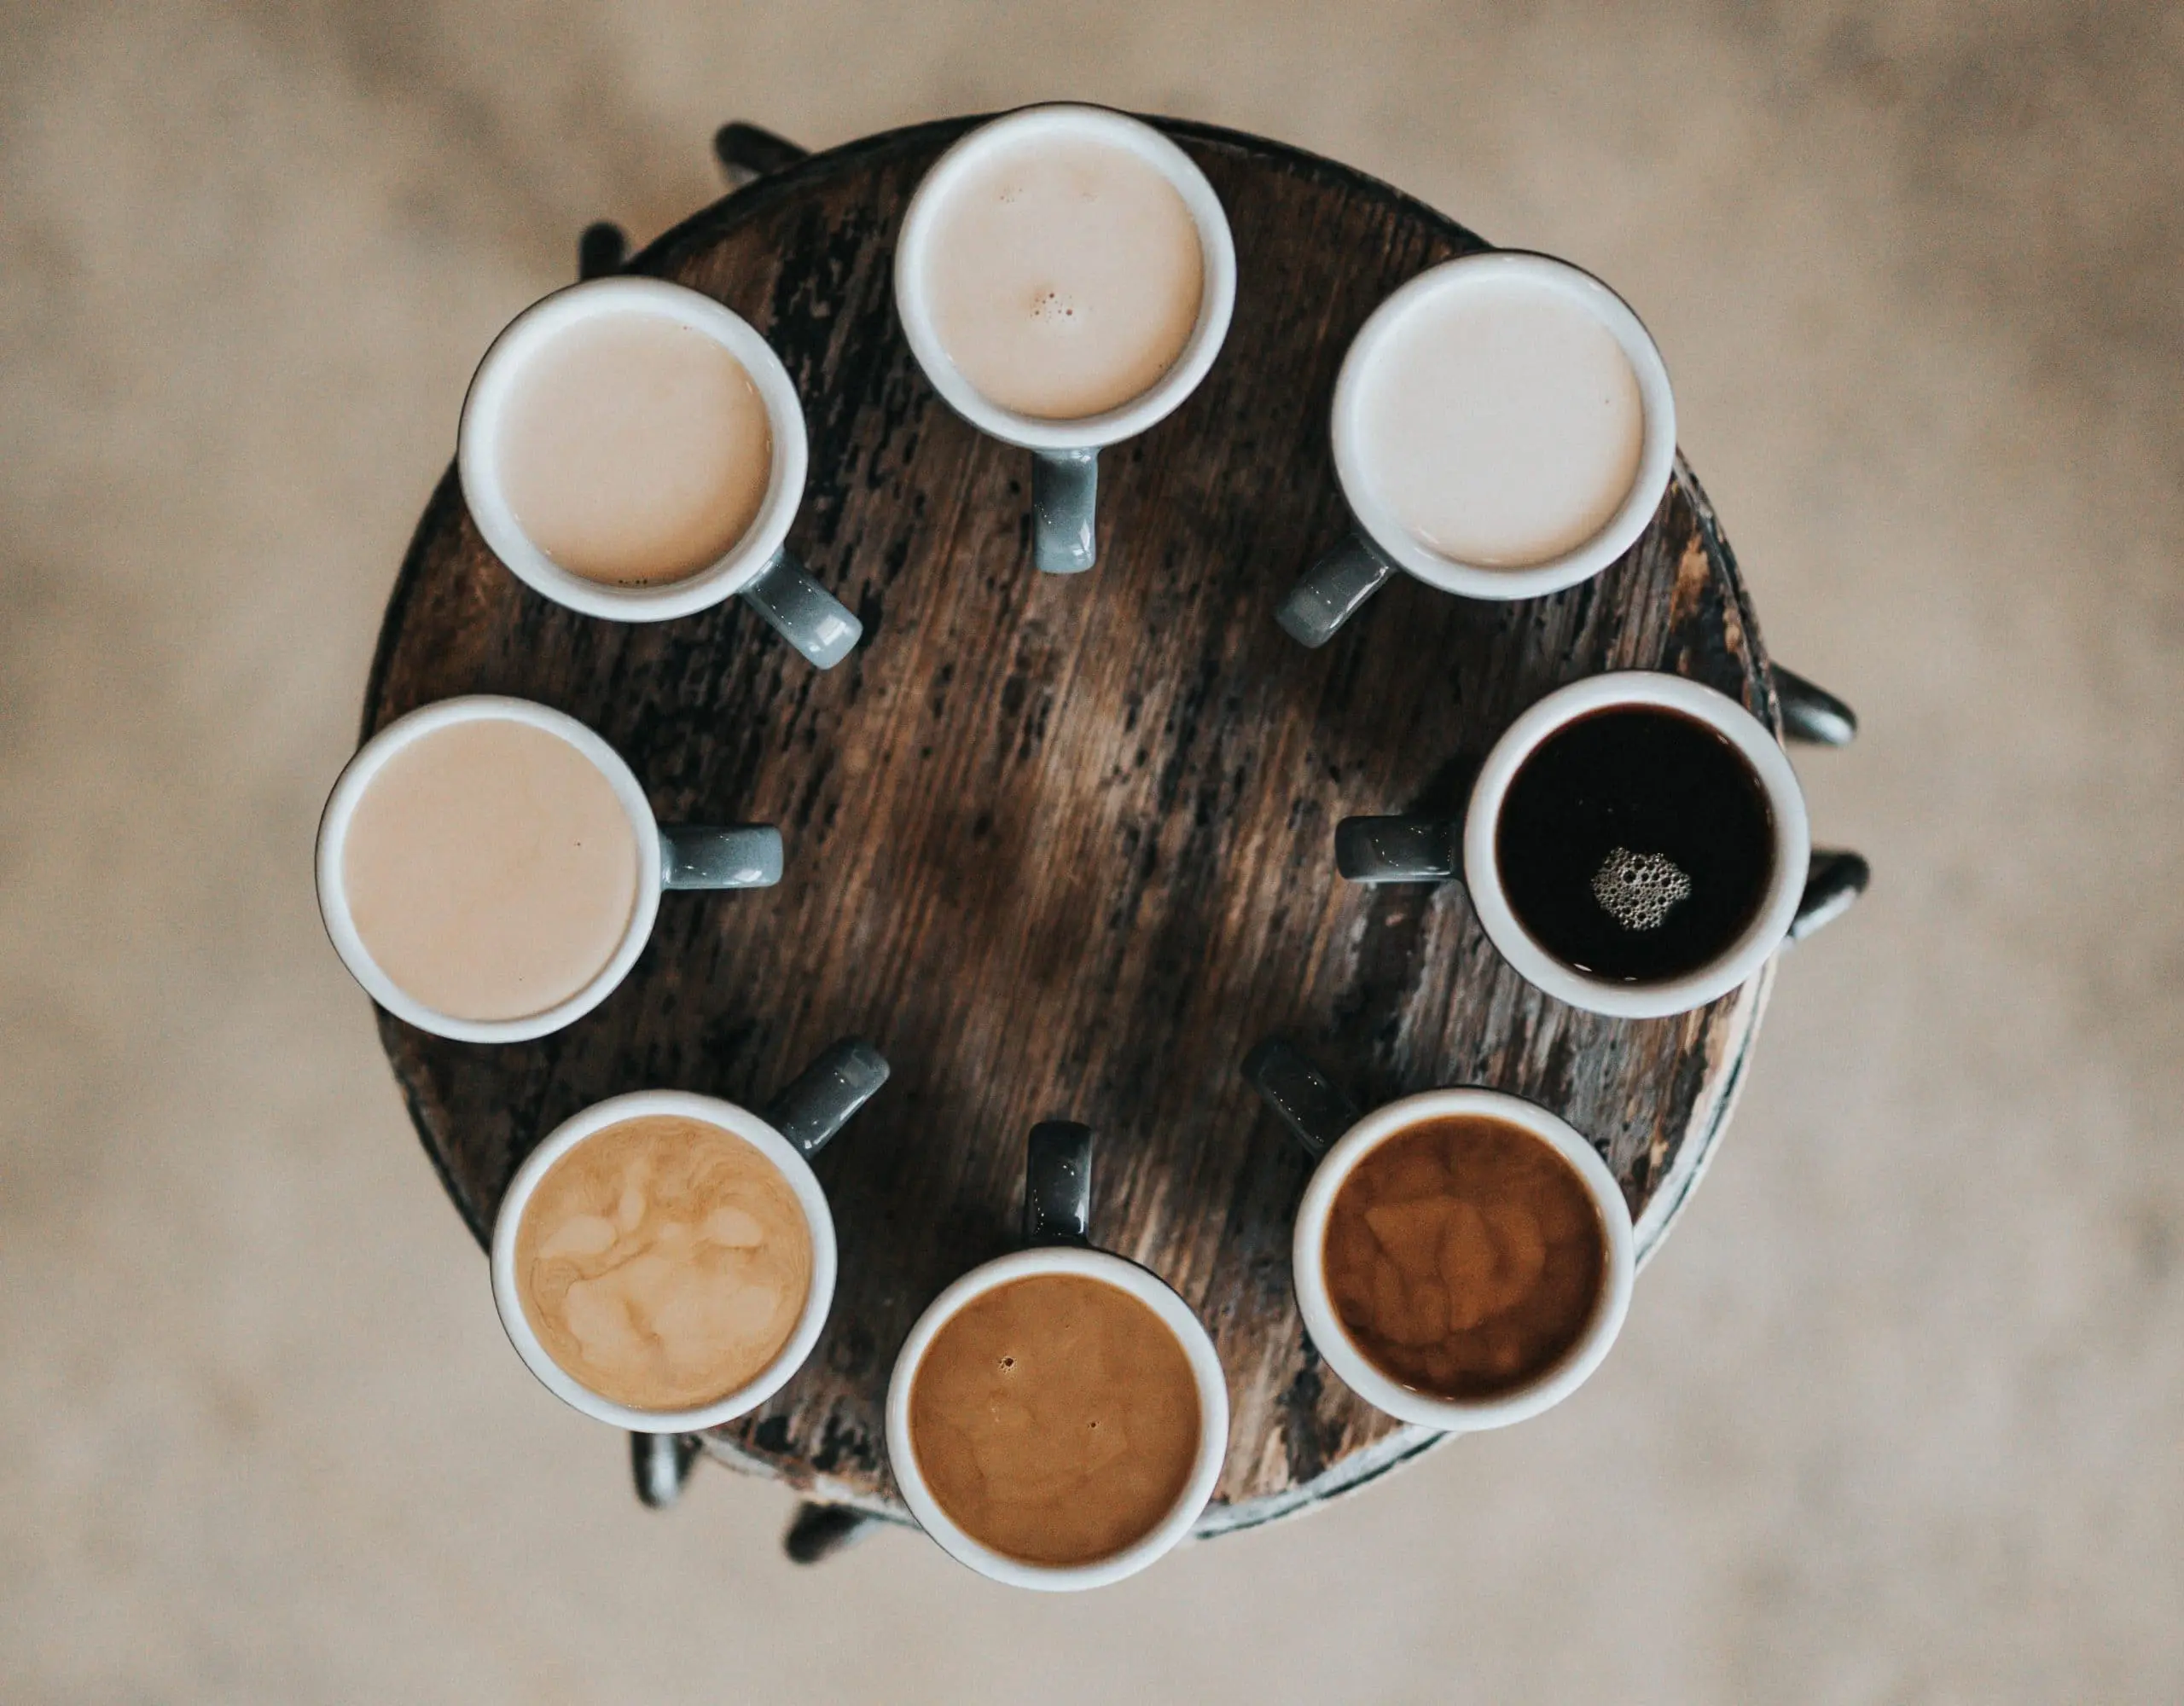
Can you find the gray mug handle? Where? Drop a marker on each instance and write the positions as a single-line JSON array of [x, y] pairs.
[[1400, 850], [1334, 591], [1302, 1097], [820, 1102], [1065, 496], [802, 611], [744, 856], [1058, 1183]]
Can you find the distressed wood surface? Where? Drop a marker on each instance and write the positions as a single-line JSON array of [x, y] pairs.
[[1062, 847]]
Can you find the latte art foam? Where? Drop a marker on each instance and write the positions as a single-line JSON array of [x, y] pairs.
[[664, 1262]]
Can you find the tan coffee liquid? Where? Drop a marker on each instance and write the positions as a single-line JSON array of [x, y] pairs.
[[1064, 277], [1055, 1419], [489, 869], [1464, 1257], [663, 1262], [635, 450], [1501, 423]]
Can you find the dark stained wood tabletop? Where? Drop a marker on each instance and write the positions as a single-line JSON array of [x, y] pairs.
[[1062, 847]]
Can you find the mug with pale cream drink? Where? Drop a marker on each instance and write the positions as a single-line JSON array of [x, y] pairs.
[[1064, 276], [635, 450], [1057, 1418], [665, 1262], [488, 869], [1503, 428], [1462, 1258]]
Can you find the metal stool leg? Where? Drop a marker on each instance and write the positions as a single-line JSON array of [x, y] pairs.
[[600, 250], [817, 1532], [660, 1463], [745, 152], [1811, 713]]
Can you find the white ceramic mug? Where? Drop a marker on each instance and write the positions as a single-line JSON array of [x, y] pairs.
[[1065, 473], [741, 856], [757, 568], [1057, 1208], [1330, 1127], [1410, 849], [1379, 542], [797, 1124]]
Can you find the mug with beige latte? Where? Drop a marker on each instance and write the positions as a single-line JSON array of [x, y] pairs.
[[665, 1262], [488, 869], [635, 449], [1503, 428], [1462, 1258], [1057, 1418], [1066, 276]]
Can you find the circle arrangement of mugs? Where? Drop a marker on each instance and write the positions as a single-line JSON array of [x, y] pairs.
[[665, 1262], [1057, 1418], [635, 450], [1503, 428], [1463, 1259], [1636, 845], [489, 869], [1066, 276]]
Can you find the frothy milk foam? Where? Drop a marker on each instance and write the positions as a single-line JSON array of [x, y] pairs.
[[489, 869], [664, 1262], [1501, 423], [635, 450], [1064, 277]]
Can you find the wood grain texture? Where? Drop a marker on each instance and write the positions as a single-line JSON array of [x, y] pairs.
[[1063, 847]]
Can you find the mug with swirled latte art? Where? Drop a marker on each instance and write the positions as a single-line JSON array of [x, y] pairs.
[[665, 1262]]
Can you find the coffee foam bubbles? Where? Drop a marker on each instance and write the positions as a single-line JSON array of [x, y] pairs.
[[1638, 890], [664, 1262]]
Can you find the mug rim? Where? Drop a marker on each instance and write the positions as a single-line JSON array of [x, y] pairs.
[[1771, 919], [1149, 1289], [1217, 294], [1332, 1339], [355, 782], [1657, 446], [485, 406], [738, 1121]]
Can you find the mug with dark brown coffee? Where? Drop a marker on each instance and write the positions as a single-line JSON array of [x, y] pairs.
[[1635, 844], [1462, 1258], [1057, 1418]]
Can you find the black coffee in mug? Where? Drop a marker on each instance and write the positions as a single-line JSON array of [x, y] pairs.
[[1636, 845]]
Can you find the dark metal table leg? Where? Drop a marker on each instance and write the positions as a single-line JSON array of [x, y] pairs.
[[660, 1464], [745, 152], [819, 1531], [600, 250], [1811, 713]]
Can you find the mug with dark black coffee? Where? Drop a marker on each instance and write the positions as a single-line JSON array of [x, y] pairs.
[[1635, 844], [1462, 1258], [1057, 1418]]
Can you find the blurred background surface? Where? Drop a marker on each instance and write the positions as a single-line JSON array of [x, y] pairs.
[[1899, 1415]]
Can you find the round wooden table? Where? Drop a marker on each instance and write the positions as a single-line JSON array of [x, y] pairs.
[[1062, 847]]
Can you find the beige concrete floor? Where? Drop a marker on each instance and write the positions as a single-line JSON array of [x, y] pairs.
[[1900, 1412]]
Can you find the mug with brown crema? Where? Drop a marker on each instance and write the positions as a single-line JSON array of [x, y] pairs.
[[1462, 1258], [664, 1261], [635, 449], [1057, 1418], [489, 869]]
